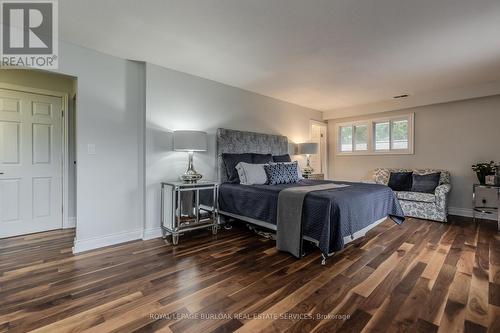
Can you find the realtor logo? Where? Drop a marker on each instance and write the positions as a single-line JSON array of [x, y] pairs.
[[29, 33]]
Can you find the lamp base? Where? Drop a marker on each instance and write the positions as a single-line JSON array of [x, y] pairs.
[[190, 177], [307, 170]]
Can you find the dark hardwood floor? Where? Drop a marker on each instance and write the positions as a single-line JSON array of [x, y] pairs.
[[419, 277]]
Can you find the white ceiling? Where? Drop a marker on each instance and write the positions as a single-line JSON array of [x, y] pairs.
[[324, 54]]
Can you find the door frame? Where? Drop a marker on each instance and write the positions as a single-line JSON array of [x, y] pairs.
[[325, 125], [65, 223]]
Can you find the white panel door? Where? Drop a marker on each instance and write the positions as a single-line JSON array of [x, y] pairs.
[[316, 158], [30, 163], [319, 161]]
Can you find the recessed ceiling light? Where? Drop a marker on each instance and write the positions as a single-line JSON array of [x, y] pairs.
[[401, 96]]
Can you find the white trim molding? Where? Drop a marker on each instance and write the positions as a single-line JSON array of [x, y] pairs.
[[152, 233], [324, 154], [71, 223], [107, 240]]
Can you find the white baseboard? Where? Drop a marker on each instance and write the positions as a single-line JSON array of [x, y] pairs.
[[151, 233], [467, 212], [102, 241], [71, 223]]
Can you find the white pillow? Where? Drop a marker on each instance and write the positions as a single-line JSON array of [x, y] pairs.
[[251, 174]]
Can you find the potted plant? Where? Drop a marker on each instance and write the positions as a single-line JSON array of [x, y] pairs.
[[484, 169]]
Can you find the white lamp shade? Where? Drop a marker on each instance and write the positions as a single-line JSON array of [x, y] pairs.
[[190, 141], [308, 148]]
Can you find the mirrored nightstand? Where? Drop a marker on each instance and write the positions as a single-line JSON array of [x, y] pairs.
[[485, 209], [188, 206]]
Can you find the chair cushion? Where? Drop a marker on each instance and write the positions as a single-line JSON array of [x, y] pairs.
[[400, 181], [381, 175], [425, 183], [416, 196]]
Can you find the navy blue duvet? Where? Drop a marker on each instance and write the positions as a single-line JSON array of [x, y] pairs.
[[328, 216]]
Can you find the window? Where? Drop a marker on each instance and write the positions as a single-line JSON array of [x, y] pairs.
[[393, 135], [346, 138], [382, 136], [361, 137], [354, 138], [399, 134]]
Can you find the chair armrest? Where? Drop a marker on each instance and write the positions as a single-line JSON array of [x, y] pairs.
[[441, 193], [442, 189]]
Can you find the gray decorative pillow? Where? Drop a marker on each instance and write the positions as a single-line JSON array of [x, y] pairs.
[[281, 173], [251, 174], [425, 183], [400, 181]]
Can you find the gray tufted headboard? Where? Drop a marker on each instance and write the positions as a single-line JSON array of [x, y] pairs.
[[238, 142]]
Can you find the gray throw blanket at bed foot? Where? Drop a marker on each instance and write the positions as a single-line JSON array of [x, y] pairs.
[[289, 216]]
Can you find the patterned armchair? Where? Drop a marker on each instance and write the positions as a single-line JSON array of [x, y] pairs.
[[421, 205]]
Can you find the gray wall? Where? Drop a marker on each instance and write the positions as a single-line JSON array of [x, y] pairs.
[[127, 110], [109, 107], [176, 100], [451, 136]]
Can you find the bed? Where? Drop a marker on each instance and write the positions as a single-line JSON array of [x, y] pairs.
[[331, 218]]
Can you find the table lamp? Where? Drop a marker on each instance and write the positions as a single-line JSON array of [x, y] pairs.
[[190, 141], [308, 148]]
